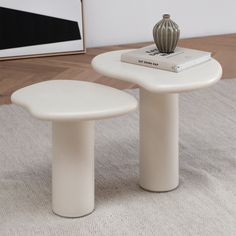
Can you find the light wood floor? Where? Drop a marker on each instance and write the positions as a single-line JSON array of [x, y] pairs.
[[16, 74]]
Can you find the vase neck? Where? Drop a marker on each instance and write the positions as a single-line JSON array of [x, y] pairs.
[[166, 16]]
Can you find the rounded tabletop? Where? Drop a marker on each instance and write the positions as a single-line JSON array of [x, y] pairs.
[[156, 80], [65, 100]]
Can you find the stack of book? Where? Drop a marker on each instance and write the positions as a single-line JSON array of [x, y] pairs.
[[177, 61]]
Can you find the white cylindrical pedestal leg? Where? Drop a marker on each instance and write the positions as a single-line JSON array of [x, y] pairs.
[[159, 163], [73, 168]]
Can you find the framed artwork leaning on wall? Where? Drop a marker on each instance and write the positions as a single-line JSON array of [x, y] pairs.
[[30, 28]]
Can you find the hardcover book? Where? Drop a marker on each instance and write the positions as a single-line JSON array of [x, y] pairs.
[[181, 59]]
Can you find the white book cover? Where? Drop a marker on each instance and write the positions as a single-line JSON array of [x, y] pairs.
[[181, 59]]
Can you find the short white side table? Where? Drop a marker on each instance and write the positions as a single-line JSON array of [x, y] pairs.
[[73, 106], [159, 154]]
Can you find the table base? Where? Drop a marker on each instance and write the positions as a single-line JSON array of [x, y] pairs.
[[159, 161], [73, 168]]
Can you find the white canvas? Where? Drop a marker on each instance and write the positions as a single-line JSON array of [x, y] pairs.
[[64, 9]]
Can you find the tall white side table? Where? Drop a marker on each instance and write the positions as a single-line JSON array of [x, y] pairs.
[[73, 106], [159, 149]]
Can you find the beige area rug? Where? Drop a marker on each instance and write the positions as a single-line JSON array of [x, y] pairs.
[[204, 203]]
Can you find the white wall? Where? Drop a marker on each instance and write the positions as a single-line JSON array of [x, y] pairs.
[[109, 22]]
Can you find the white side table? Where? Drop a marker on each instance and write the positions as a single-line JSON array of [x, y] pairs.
[[73, 106], [159, 161]]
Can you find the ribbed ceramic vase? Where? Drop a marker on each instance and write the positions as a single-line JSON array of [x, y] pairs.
[[166, 34]]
